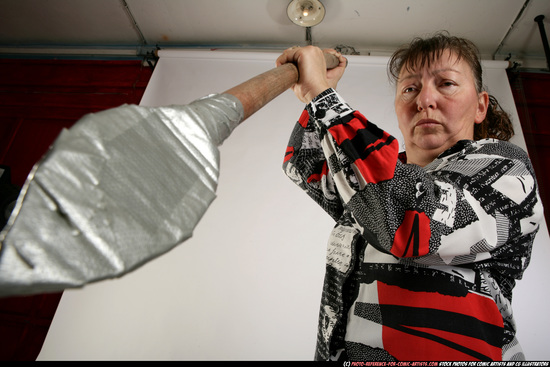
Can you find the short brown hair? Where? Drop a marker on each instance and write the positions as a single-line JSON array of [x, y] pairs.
[[422, 52]]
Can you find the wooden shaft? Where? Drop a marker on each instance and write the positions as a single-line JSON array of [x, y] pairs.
[[258, 91]]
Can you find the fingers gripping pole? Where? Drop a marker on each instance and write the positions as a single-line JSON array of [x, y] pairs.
[[255, 93]]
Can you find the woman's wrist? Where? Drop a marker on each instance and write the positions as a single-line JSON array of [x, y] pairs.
[[313, 93]]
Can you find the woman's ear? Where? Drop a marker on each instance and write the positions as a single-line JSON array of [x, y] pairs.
[[482, 106]]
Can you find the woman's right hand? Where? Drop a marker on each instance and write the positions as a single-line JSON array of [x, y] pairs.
[[314, 77]]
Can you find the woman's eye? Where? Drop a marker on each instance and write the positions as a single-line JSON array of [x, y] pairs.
[[448, 83], [409, 89]]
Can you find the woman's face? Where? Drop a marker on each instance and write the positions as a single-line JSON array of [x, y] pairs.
[[437, 106]]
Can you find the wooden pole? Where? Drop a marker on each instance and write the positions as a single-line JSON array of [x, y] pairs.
[[262, 89]]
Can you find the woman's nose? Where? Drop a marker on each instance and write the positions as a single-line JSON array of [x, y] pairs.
[[426, 98]]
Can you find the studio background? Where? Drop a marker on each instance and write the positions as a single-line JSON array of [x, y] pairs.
[[247, 285]]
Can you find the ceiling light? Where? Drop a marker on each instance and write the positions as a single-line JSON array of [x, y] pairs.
[[306, 13]]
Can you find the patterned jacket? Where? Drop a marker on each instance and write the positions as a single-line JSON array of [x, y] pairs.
[[422, 261]]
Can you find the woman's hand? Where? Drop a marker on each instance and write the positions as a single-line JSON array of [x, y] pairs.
[[314, 77]]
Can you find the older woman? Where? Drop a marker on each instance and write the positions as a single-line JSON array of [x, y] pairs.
[[428, 242]]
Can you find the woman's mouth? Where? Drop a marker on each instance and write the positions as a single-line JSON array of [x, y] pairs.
[[427, 123]]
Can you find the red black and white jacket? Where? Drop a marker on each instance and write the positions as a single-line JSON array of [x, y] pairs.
[[422, 261]]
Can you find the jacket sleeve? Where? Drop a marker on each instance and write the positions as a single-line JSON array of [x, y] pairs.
[[476, 203], [305, 164]]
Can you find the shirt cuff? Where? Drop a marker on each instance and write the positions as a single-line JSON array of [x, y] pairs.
[[329, 107]]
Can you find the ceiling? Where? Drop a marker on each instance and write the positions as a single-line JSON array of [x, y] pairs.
[[502, 29]]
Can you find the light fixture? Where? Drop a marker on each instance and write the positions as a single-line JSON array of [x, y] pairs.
[[306, 13]]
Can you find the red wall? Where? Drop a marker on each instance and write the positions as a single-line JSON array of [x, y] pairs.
[[38, 98], [532, 96]]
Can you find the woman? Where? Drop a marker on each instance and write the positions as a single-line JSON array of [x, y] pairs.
[[428, 242]]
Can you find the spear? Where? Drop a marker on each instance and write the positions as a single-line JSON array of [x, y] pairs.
[[124, 186]]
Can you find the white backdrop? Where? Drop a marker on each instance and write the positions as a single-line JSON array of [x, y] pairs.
[[247, 285]]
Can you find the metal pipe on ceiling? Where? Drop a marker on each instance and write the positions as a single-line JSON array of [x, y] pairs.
[[525, 4], [539, 20], [134, 22]]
